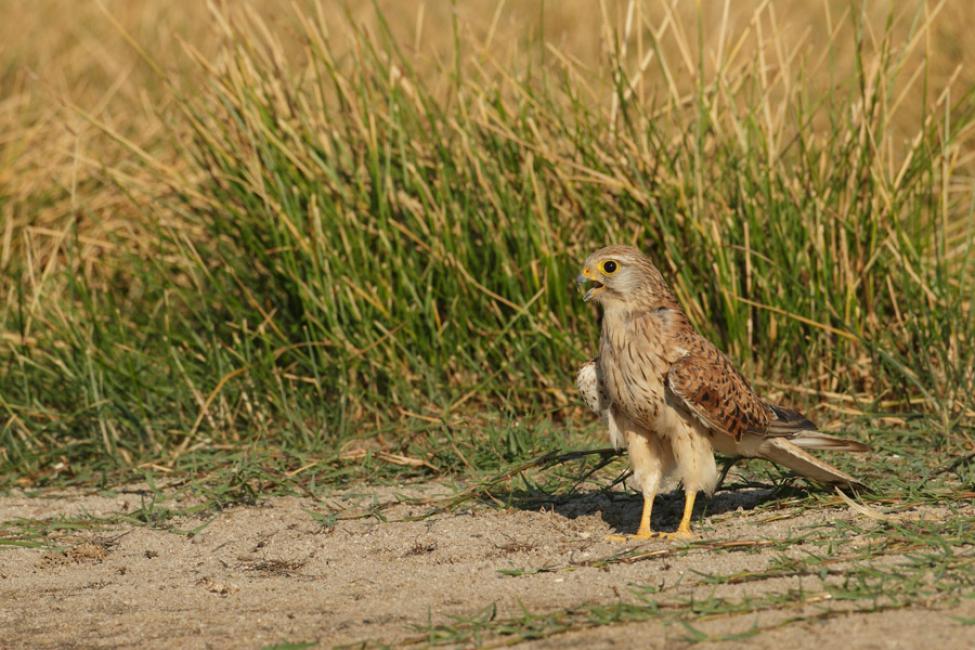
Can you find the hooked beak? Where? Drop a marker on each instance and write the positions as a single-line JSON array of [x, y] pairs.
[[586, 277]]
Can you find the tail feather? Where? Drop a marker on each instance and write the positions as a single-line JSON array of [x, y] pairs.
[[786, 421], [787, 453], [819, 440], [801, 431]]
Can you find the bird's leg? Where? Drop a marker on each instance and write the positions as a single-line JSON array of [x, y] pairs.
[[684, 528], [643, 532], [645, 457]]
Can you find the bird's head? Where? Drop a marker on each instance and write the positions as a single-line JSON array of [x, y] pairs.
[[622, 275]]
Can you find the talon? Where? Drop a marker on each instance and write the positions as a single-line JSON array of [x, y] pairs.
[[677, 535]]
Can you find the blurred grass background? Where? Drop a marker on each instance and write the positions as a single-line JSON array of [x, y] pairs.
[[343, 230]]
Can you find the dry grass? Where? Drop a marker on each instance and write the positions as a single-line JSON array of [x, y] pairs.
[[192, 202], [68, 76]]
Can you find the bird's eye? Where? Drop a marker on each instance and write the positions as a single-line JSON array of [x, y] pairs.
[[609, 267]]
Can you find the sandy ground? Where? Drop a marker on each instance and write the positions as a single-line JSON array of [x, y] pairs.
[[272, 574]]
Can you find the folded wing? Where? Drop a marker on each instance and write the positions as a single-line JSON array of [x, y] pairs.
[[707, 386]]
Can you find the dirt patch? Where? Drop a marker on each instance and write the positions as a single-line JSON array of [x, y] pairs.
[[259, 576], [84, 552]]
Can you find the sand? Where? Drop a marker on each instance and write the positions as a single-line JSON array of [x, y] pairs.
[[271, 574]]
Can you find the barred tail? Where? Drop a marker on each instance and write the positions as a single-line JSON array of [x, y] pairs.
[[819, 440], [792, 455]]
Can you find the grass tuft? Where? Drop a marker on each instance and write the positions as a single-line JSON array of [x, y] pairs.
[[332, 236]]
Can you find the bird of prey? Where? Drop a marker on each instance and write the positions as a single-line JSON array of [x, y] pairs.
[[674, 399]]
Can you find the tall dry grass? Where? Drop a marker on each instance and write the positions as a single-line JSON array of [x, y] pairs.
[[280, 222]]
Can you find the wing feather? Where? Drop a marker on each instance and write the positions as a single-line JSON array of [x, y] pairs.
[[709, 387], [591, 389], [594, 394]]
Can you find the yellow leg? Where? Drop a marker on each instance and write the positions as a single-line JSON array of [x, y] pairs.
[[643, 532], [684, 528]]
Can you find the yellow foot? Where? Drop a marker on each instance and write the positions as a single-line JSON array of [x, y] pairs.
[[643, 537], [677, 534]]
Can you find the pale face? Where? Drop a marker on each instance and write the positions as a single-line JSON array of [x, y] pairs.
[[612, 273]]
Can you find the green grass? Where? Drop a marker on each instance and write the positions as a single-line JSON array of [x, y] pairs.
[[342, 264], [820, 570], [335, 247], [185, 499]]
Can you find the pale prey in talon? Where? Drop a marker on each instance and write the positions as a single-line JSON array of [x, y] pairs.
[[673, 399]]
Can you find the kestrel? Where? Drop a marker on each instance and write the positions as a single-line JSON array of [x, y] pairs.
[[674, 399]]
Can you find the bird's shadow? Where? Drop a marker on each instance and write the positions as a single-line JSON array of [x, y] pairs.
[[622, 510]]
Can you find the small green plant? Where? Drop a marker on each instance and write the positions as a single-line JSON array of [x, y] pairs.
[[339, 244]]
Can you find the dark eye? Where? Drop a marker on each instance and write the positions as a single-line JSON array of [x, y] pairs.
[[609, 267]]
